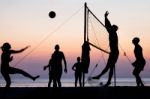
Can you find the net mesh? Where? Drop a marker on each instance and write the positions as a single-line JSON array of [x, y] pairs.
[[96, 32]]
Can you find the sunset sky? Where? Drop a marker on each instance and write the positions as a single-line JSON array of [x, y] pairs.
[[26, 22]]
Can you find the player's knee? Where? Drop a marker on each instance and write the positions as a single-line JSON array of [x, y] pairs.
[[135, 73]]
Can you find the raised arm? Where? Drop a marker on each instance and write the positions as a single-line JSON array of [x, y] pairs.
[[19, 51], [107, 22]]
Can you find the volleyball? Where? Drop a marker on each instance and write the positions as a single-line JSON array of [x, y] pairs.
[[52, 14]]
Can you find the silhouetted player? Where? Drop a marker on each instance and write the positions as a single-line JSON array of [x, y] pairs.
[[114, 52], [77, 67], [6, 69], [51, 72], [139, 62], [85, 59], [56, 69]]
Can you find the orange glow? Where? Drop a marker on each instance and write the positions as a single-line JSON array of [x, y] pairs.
[[27, 23]]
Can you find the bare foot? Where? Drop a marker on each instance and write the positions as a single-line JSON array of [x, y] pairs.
[[96, 77], [107, 84], [36, 77]]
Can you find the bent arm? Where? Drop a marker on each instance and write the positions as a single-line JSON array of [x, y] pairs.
[[73, 67]]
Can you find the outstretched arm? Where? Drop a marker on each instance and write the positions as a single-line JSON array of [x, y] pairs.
[[49, 65], [19, 51], [107, 22]]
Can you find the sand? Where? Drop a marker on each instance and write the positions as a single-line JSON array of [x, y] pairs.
[[76, 93]]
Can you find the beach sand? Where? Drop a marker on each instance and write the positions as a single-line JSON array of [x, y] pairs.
[[76, 93]]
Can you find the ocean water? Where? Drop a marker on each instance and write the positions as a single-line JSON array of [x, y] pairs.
[[41, 82]]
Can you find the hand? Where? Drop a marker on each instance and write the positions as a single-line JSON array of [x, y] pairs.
[[133, 64], [65, 70], [44, 67], [106, 13], [125, 54], [27, 46], [11, 58]]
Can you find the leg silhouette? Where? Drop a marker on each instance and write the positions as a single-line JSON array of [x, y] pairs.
[[76, 79], [110, 76], [102, 73], [15, 70], [7, 79]]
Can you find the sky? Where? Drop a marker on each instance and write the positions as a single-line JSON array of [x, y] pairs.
[[26, 22]]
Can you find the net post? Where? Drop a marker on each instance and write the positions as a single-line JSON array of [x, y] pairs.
[[85, 19], [85, 30]]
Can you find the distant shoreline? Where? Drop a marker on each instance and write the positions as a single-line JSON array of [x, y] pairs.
[[43, 82], [119, 92]]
